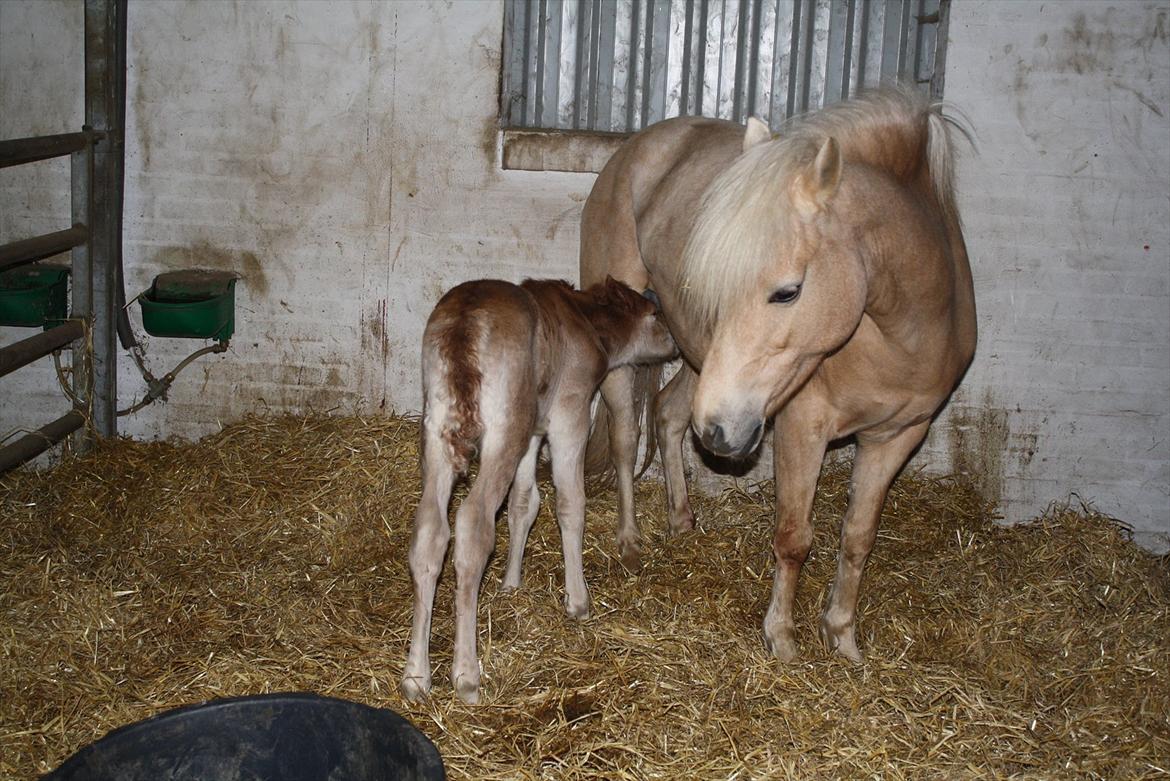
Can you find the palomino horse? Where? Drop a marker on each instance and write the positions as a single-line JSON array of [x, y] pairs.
[[818, 279], [503, 366]]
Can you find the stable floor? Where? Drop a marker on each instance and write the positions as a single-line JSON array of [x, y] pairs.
[[272, 557]]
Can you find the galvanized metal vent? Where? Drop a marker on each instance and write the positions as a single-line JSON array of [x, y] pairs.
[[619, 65]]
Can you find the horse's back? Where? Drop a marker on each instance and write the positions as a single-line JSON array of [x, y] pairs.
[[628, 185]]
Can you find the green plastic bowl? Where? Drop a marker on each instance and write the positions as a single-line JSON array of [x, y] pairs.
[[191, 304], [34, 296]]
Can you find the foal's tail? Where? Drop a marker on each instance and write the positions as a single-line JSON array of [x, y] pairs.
[[598, 459], [457, 417]]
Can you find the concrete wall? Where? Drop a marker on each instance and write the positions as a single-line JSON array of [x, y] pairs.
[[344, 158]]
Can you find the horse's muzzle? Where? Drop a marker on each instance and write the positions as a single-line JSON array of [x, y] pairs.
[[719, 442]]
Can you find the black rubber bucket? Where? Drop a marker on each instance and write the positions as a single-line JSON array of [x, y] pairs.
[[272, 737]]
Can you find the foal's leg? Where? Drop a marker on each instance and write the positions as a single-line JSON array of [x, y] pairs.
[[618, 391], [567, 437], [475, 536], [874, 467], [798, 451], [523, 505], [428, 547], [672, 416]]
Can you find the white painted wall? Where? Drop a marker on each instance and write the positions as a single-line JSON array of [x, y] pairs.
[[343, 157]]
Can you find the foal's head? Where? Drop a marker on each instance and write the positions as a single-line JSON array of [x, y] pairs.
[[628, 324]]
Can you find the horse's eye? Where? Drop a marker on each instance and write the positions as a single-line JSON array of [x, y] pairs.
[[785, 295]]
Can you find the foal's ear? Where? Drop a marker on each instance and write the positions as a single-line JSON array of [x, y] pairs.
[[652, 297], [818, 183], [757, 133]]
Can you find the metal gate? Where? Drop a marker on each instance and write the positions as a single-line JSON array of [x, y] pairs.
[[94, 239]]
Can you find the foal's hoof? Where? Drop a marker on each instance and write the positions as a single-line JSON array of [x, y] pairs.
[[783, 648], [841, 641], [416, 688], [579, 612], [683, 522]]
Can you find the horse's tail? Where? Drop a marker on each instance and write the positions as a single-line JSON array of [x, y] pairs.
[[458, 420], [598, 458]]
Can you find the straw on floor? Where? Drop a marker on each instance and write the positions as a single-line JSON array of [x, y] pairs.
[[272, 556]]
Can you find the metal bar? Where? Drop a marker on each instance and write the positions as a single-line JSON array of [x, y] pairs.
[[24, 352], [18, 253], [81, 284], [527, 68], [779, 107], [601, 115], [633, 86], [19, 151], [582, 86], [567, 55], [838, 52], [104, 84], [940, 49], [654, 77], [512, 75], [909, 43], [739, 75], [924, 56], [32, 445]]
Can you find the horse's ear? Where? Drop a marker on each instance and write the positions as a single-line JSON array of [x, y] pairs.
[[819, 182], [757, 133]]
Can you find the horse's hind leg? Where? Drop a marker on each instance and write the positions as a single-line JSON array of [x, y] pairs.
[[475, 536], [874, 468], [672, 416], [798, 451], [523, 505], [428, 547], [618, 392]]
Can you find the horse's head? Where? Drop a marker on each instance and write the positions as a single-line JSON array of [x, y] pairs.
[[777, 276]]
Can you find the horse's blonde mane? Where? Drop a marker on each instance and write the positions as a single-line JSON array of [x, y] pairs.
[[740, 214]]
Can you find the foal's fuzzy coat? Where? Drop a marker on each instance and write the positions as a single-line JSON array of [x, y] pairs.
[[504, 366]]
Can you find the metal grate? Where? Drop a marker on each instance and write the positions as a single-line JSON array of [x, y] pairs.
[[619, 65]]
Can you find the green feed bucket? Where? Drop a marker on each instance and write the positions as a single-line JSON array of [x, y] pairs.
[[34, 296], [191, 304]]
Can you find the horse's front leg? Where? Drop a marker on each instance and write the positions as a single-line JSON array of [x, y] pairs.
[[797, 453], [428, 548], [874, 467], [672, 417], [567, 436], [618, 392]]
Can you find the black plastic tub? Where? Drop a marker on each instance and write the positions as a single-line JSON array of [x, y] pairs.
[[271, 737]]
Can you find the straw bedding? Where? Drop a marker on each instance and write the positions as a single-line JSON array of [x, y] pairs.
[[272, 556]]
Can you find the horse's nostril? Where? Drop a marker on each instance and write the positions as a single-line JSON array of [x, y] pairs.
[[713, 438]]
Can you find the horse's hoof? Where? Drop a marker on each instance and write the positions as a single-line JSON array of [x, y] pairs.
[[467, 689], [683, 523], [416, 688], [579, 612], [631, 557]]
